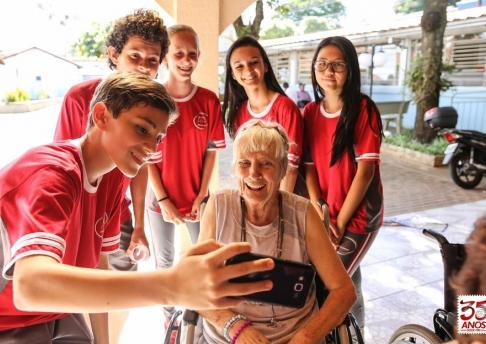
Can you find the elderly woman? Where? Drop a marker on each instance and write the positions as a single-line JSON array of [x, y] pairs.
[[279, 224]]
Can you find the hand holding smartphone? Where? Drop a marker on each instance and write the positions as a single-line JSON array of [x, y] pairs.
[[291, 280]]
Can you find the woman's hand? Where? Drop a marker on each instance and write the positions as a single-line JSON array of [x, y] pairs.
[[170, 213], [250, 335], [301, 337]]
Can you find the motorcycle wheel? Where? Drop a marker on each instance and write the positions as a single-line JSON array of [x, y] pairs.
[[462, 173], [414, 334]]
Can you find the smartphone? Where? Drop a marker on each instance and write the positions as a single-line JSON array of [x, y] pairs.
[[291, 280]]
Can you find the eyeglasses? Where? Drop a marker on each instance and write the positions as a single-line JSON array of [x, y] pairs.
[[323, 65]]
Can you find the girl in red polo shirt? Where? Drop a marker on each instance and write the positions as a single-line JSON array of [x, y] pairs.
[[343, 134], [180, 181], [252, 91]]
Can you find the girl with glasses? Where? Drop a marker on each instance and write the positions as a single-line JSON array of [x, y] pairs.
[[343, 133]]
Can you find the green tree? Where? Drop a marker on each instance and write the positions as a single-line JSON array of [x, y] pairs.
[[92, 43], [433, 23], [252, 28], [297, 10], [314, 24], [280, 28], [409, 6]]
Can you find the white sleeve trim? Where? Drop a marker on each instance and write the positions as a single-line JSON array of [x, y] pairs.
[[308, 162], [7, 272], [39, 238], [109, 241], [368, 156], [110, 251]]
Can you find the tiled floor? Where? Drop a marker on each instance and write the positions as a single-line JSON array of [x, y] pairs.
[[402, 272]]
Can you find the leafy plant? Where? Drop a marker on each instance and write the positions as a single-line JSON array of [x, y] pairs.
[[405, 139], [415, 78], [279, 29], [42, 94], [92, 43], [410, 6], [17, 95], [314, 24]]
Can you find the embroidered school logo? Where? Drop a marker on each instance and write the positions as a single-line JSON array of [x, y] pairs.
[[201, 120], [471, 314], [100, 225]]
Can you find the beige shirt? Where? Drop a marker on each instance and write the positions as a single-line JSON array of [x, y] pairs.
[[264, 241]]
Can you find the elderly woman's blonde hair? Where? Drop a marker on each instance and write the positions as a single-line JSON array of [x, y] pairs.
[[258, 135]]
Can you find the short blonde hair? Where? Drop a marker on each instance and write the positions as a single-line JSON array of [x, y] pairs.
[[258, 135], [178, 28]]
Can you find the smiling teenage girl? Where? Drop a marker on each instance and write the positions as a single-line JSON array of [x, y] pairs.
[[252, 91], [180, 182], [343, 134]]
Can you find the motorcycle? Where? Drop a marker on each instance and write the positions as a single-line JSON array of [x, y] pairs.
[[466, 152]]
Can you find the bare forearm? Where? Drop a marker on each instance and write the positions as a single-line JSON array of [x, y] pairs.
[[217, 318], [312, 182], [356, 193], [48, 286], [331, 314], [99, 326], [155, 181], [207, 172], [99, 321], [288, 182], [138, 187]]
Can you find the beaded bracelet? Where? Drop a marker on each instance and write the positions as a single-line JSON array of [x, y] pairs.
[[229, 324], [238, 331], [162, 199]]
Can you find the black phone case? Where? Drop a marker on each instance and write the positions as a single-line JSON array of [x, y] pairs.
[[291, 280]]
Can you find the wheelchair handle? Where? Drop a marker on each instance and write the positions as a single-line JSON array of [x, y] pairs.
[[436, 236]]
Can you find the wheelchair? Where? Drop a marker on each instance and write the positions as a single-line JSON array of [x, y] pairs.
[[444, 320], [185, 323]]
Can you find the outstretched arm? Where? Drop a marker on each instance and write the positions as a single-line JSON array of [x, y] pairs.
[[198, 281]]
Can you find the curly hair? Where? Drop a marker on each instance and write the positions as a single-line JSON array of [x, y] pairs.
[[471, 279], [144, 23]]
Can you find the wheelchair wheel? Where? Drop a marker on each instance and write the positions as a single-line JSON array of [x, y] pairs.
[[414, 334]]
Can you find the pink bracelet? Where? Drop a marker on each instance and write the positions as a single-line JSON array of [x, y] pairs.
[[238, 332]]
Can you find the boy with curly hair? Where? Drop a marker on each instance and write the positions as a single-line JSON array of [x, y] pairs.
[[137, 42]]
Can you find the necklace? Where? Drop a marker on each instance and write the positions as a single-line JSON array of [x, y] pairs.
[[273, 321]]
